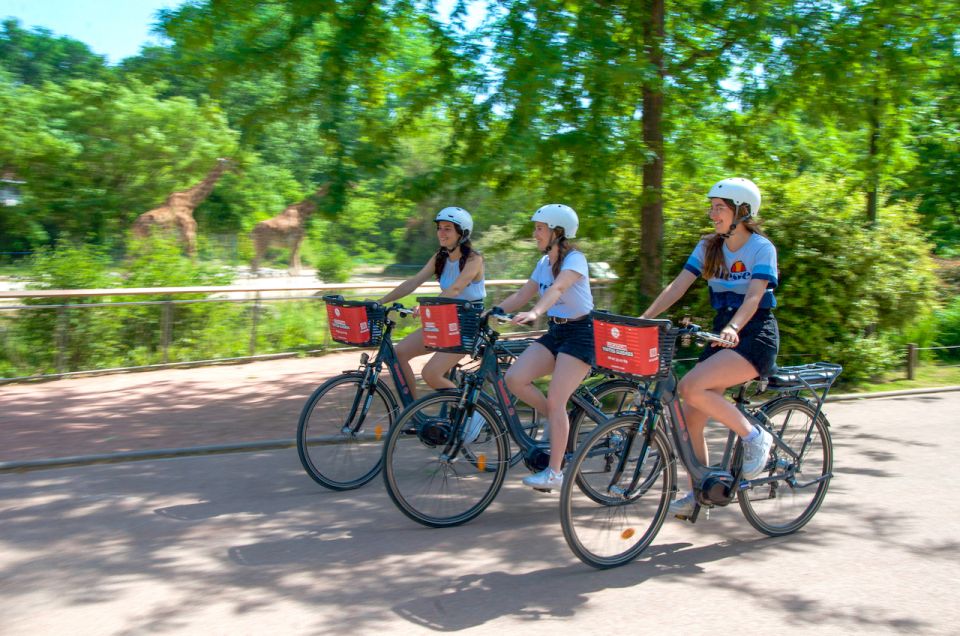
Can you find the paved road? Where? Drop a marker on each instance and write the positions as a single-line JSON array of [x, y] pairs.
[[247, 544]]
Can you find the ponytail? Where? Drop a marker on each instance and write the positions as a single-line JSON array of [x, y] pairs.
[[564, 247]]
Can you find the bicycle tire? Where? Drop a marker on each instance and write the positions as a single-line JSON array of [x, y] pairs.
[[786, 504], [430, 488], [615, 397], [340, 454], [613, 532]]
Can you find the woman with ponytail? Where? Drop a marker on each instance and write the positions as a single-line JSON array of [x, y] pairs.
[[739, 264], [459, 271], [566, 351]]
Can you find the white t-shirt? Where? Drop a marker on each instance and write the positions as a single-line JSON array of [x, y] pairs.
[[577, 301], [757, 258]]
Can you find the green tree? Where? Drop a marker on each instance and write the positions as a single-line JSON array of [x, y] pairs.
[[37, 56]]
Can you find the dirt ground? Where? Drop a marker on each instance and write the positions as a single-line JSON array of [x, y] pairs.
[[171, 408]]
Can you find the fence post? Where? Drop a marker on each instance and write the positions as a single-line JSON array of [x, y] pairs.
[[253, 326], [61, 336], [165, 328], [911, 360]]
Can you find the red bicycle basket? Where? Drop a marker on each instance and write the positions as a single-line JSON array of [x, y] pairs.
[[449, 324], [352, 322], [631, 347]]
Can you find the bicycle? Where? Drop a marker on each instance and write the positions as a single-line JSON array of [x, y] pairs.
[[443, 466], [344, 420], [631, 460]]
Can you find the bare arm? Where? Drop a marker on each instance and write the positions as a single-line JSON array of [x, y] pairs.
[[410, 285], [749, 307], [670, 294], [561, 284], [519, 298]]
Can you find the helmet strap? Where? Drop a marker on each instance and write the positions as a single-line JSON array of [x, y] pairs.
[[554, 241], [736, 222]]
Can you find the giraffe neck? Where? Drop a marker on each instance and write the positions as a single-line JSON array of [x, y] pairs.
[[202, 190]]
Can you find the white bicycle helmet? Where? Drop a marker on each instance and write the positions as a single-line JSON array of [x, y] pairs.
[[459, 217], [558, 215], [738, 190]]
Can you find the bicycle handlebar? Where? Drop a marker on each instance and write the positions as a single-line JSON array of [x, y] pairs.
[[691, 329], [400, 309]]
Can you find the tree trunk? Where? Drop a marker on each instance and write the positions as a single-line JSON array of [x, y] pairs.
[[873, 163], [651, 210]]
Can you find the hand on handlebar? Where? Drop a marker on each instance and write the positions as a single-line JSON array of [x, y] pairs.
[[524, 317], [730, 338], [499, 314]]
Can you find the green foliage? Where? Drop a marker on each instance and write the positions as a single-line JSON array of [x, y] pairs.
[[333, 264], [948, 330], [845, 288], [37, 56]]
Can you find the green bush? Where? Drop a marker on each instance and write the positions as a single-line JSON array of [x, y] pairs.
[[846, 288], [333, 264], [948, 330]]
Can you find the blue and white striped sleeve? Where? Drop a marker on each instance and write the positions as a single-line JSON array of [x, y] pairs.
[[694, 263], [765, 267]]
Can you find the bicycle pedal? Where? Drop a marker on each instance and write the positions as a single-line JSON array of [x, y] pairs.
[[547, 490]]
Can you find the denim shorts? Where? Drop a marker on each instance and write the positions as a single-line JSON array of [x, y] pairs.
[[572, 338], [759, 339]]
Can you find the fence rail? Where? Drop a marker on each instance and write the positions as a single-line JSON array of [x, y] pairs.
[[148, 340]]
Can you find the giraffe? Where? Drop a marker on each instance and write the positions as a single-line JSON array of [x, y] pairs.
[[176, 213], [287, 228]]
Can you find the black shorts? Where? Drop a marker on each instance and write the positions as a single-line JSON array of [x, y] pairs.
[[759, 339], [572, 338]]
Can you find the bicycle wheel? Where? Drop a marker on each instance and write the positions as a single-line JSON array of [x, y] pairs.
[[634, 471], [341, 431], [427, 484], [615, 398], [793, 487]]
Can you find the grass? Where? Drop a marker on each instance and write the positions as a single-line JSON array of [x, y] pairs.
[[927, 375]]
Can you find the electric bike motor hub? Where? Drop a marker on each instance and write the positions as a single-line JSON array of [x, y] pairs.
[[536, 459], [716, 489], [434, 432]]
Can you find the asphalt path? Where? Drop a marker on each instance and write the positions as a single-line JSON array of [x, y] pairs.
[[246, 543]]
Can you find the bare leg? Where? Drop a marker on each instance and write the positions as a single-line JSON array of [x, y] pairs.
[[702, 393], [568, 374], [407, 349], [535, 362], [435, 371]]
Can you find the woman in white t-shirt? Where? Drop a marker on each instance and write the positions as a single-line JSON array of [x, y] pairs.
[[562, 279], [459, 270]]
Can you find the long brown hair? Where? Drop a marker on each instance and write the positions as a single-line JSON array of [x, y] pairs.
[[440, 260], [564, 247], [715, 266]]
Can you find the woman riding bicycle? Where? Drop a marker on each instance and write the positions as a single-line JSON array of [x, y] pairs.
[[566, 351], [740, 266], [459, 270]]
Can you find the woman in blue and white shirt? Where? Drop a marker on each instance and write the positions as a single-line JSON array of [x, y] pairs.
[[740, 266], [458, 268], [562, 279]]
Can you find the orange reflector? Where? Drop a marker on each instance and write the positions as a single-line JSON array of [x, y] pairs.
[[481, 462], [626, 534], [378, 431]]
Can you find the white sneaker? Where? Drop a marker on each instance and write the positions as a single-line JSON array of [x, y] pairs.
[[755, 454], [682, 508], [546, 479], [474, 426]]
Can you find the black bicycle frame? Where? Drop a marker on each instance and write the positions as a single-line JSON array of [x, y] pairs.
[[490, 371]]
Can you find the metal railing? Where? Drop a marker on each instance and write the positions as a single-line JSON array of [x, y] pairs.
[[147, 339]]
